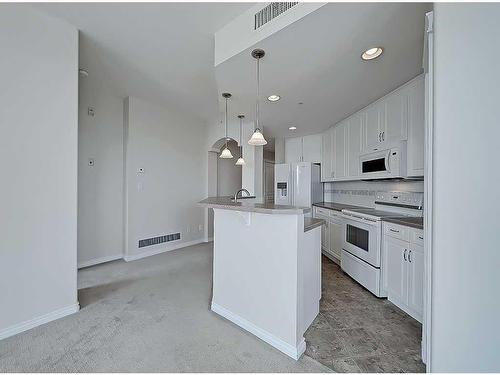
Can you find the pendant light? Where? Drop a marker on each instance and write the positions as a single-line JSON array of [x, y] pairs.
[[241, 161], [226, 153], [257, 137]]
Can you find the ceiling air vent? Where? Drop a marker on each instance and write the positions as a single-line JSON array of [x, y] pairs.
[[270, 12]]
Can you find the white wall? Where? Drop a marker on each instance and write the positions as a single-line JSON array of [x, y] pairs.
[[229, 174], [466, 256], [38, 156], [279, 150], [100, 187], [162, 200]]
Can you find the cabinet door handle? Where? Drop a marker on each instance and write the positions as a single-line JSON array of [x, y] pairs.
[[379, 135], [404, 254], [394, 230], [409, 256], [421, 237]]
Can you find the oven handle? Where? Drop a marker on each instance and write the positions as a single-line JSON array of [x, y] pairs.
[[360, 219], [388, 161]]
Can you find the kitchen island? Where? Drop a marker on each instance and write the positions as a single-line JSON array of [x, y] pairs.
[[266, 270]]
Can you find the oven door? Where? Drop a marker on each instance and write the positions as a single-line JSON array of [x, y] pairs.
[[362, 239]]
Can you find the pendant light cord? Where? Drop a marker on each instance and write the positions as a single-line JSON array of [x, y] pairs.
[[225, 120], [241, 147], [258, 92]]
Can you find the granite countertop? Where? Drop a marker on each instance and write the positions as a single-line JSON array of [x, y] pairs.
[[335, 206], [311, 223], [409, 221], [265, 208]]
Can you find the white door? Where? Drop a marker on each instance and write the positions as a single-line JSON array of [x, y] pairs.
[[311, 148], [372, 127], [302, 187], [326, 156], [395, 118], [336, 237], [339, 149], [354, 130], [395, 253], [416, 279], [416, 128], [293, 150]]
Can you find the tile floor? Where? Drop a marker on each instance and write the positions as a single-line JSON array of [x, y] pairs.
[[358, 332]]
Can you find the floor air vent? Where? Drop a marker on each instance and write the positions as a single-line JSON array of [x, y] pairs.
[[271, 11], [159, 239]]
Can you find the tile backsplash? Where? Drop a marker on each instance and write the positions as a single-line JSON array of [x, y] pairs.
[[362, 193]]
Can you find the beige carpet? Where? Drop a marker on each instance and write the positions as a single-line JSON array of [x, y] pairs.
[[151, 315]]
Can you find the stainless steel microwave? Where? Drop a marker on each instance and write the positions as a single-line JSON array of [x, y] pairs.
[[387, 163]]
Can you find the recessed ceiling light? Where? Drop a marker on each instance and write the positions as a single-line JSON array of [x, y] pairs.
[[372, 53], [292, 128], [273, 98]]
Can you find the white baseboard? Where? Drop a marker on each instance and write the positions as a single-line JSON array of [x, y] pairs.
[[209, 239], [93, 262], [129, 258], [35, 322], [288, 349]]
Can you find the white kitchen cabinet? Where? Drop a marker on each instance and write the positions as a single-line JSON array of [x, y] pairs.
[[373, 127], [395, 118], [306, 148], [340, 151], [336, 228], [311, 148], [293, 150], [394, 126], [403, 269], [395, 253], [416, 278], [326, 156], [354, 133], [416, 127]]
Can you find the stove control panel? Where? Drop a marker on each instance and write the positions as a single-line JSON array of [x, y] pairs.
[[400, 198]]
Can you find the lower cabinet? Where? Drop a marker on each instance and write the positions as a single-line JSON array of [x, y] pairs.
[[331, 233], [403, 271], [335, 229]]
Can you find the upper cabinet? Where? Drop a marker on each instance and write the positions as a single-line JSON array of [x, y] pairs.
[[311, 148], [339, 162], [354, 142], [327, 155], [416, 128], [306, 148], [293, 150], [397, 117]]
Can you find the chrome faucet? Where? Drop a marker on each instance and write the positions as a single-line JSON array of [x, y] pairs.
[[235, 199]]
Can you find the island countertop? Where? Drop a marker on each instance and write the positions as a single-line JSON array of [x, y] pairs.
[[265, 208]]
